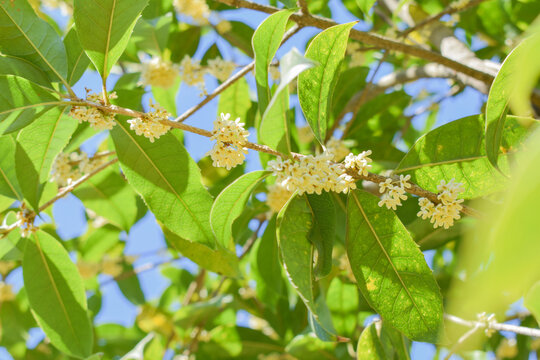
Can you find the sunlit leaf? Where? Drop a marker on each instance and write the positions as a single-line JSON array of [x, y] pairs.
[[77, 60]]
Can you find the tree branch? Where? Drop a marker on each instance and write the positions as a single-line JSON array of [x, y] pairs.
[[371, 39], [495, 326]]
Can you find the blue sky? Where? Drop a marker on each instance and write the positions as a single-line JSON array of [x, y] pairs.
[[146, 237]]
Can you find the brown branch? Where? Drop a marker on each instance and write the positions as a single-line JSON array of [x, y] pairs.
[[302, 4], [370, 38]]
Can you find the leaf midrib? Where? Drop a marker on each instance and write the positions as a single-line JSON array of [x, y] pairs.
[[9, 184], [453, 161], [196, 220], [389, 260], [55, 288], [107, 44], [35, 48]]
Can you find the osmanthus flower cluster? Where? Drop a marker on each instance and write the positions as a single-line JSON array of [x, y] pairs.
[[98, 119], [197, 9], [149, 125], [26, 219], [444, 213], [192, 71], [337, 148], [230, 136], [393, 191], [277, 196], [70, 167], [221, 69], [159, 72]]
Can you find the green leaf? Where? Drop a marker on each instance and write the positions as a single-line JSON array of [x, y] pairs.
[[167, 97], [502, 89], [230, 203], [12, 65], [456, 150], [220, 261], [294, 224], [56, 294], [532, 301], [323, 231], [274, 127], [370, 345], [365, 5], [240, 37], [152, 35], [390, 270], [21, 102], [266, 41], [77, 60], [183, 42], [9, 185], [169, 181], [27, 36], [266, 267], [315, 86], [104, 28], [131, 286], [109, 195], [235, 100], [38, 144], [343, 300]]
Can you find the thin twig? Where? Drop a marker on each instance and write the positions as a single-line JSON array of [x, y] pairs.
[[495, 326], [138, 270], [461, 340]]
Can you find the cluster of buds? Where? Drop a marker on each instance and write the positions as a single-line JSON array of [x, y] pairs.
[[197, 9], [158, 72], [26, 220], [337, 148], [393, 191], [444, 213], [488, 321], [277, 197], [150, 125], [192, 72], [360, 164], [312, 174], [220, 68], [97, 118], [70, 167], [230, 136]]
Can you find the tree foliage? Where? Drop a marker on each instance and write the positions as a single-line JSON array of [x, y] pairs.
[[373, 216]]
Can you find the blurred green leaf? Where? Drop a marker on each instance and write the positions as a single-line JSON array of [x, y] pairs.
[[532, 301], [152, 36], [315, 86], [56, 294], [235, 100], [390, 270]]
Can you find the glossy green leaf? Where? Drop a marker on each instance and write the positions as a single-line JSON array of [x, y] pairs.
[[274, 128], [235, 100], [315, 86], [166, 97], [21, 102], [110, 196], [9, 185], [104, 28], [532, 301], [265, 42], [323, 231], [77, 60], [230, 203], [390, 270], [56, 294], [169, 181], [38, 144], [27, 36], [12, 65], [294, 224], [370, 346], [220, 261], [456, 150], [502, 89]]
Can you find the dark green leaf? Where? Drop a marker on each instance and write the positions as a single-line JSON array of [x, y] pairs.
[[104, 28], [9, 186], [130, 285], [315, 86], [266, 41], [390, 270], [12, 65], [56, 294], [77, 60], [240, 36], [323, 231], [230, 203], [152, 36], [169, 181]]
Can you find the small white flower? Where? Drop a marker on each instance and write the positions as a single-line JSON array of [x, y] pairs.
[[359, 163], [197, 9], [220, 68], [230, 136], [337, 148], [97, 118], [150, 126], [443, 214]]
